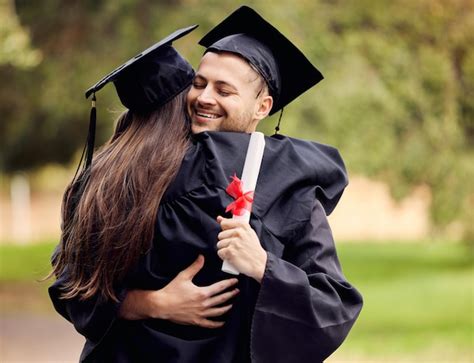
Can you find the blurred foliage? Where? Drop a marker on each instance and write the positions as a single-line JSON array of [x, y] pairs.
[[15, 48], [398, 98]]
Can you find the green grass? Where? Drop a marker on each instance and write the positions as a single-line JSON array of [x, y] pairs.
[[418, 302], [25, 263], [418, 298]]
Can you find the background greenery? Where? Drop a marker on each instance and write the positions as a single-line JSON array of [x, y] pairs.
[[398, 98], [418, 298]]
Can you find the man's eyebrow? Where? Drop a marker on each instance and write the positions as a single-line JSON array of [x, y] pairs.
[[224, 83], [200, 77]]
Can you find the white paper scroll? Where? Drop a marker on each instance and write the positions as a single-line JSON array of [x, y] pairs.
[[253, 161]]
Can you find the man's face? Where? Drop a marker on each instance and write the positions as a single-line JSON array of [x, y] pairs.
[[223, 96]]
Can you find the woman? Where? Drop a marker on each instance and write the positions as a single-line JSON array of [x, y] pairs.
[[134, 220], [117, 197]]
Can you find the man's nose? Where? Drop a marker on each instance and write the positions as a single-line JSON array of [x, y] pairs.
[[206, 97]]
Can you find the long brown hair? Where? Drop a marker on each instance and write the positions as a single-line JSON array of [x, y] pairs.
[[112, 224]]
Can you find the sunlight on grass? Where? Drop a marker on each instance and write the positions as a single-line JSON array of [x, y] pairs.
[[25, 262], [418, 298], [418, 303]]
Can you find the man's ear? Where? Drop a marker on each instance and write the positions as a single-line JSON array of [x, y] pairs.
[[264, 107]]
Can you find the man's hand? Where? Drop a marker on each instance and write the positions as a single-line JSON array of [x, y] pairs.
[[181, 301], [239, 244]]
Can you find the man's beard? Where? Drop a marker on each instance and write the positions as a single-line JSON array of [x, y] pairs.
[[241, 123]]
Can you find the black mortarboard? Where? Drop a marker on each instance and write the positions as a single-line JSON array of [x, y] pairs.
[[284, 67], [151, 78], [145, 82]]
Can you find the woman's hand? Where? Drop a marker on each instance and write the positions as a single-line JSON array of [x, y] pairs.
[[181, 301]]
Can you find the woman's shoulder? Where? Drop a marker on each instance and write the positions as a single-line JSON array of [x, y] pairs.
[[211, 158]]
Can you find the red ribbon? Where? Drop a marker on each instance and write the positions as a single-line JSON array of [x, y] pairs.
[[243, 201]]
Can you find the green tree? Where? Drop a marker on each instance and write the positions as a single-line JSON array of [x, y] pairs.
[[15, 47], [398, 98]]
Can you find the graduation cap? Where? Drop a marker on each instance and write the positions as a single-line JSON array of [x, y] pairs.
[[144, 83], [286, 70]]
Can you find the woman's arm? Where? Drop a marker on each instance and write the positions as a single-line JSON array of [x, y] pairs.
[[180, 301]]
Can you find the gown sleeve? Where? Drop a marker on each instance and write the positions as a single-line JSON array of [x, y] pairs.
[[92, 318], [305, 307]]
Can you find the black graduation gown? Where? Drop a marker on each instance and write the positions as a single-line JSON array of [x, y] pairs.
[[304, 307]]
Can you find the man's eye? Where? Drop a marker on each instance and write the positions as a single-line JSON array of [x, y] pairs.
[[224, 93], [199, 85]]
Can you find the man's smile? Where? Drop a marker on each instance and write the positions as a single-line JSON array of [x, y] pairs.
[[205, 115]]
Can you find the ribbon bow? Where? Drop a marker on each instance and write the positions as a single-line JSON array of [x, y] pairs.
[[243, 201]]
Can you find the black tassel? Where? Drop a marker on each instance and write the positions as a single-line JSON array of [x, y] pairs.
[[277, 127], [81, 178], [91, 135], [88, 149]]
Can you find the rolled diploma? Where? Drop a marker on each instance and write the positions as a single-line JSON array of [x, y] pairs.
[[253, 161]]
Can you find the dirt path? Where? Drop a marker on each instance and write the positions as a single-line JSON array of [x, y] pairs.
[[30, 329], [38, 338]]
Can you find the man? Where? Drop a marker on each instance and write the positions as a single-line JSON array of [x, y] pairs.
[[295, 305], [231, 93]]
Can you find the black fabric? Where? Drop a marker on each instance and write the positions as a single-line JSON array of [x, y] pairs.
[[151, 78], [288, 70], [154, 81], [304, 306]]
